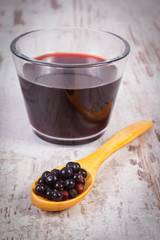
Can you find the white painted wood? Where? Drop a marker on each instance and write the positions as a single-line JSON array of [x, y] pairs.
[[125, 200]]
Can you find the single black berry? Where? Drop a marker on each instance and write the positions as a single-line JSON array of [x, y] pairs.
[[78, 177], [83, 181], [69, 183], [83, 172], [51, 179], [73, 193], [59, 186], [75, 166], [40, 189], [48, 194], [44, 175], [41, 180], [78, 166], [66, 172], [56, 196], [55, 172]]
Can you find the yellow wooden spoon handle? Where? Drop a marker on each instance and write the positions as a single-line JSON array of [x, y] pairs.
[[119, 140]]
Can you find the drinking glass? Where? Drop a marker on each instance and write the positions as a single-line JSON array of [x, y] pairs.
[[69, 78]]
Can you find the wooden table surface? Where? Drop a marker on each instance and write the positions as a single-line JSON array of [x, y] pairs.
[[125, 200]]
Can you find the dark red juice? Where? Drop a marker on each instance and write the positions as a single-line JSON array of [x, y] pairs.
[[69, 103]]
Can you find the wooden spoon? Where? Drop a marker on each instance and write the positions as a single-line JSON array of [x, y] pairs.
[[92, 163]]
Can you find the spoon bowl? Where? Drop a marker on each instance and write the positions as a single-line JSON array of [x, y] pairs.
[[91, 164], [48, 205]]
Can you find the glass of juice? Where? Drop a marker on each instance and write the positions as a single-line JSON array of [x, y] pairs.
[[69, 79]]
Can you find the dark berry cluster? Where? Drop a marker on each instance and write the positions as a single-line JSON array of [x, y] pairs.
[[59, 185]]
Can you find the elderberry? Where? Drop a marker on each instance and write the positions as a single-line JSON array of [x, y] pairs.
[[60, 185]]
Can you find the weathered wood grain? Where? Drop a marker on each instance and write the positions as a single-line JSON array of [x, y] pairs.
[[125, 200]]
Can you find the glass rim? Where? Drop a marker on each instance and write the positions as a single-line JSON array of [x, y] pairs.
[[63, 65]]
